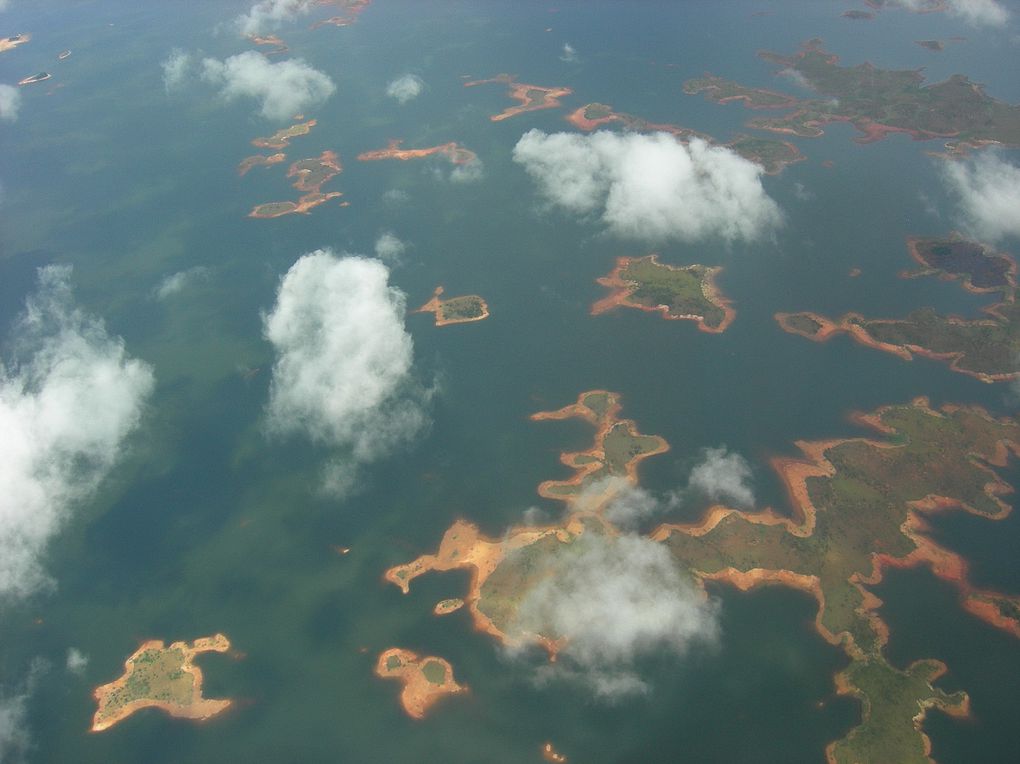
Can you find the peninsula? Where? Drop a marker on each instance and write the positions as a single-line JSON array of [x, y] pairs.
[[531, 97], [453, 152], [455, 310], [425, 680], [985, 348], [773, 155], [310, 175], [679, 293], [875, 101], [858, 507], [157, 676], [281, 138]]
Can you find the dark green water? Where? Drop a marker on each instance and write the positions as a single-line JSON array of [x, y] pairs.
[[208, 526]]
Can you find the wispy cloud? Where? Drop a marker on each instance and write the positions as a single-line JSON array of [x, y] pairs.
[[343, 370], [651, 187], [68, 399], [10, 103], [389, 247], [405, 88], [176, 283]]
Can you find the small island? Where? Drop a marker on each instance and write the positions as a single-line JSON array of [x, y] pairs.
[[985, 348], [157, 676], [933, 45], [259, 160], [350, 8], [531, 97], [455, 310], [40, 77], [445, 607], [63, 54], [10, 43], [773, 155], [550, 754], [425, 680], [453, 152], [875, 101], [855, 15], [678, 293], [310, 175], [281, 138], [279, 47]]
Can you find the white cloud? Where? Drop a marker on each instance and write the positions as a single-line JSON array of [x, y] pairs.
[[343, 368], [651, 187], [405, 88], [389, 247], [470, 172], [569, 54], [396, 196], [988, 190], [801, 192], [724, 477], [178, 282], [175, 69], [284, 88], [979, 12], [67, 402], [4, 4], [10, 102], [15, 741], [615, 599], [270, 14], [77, 661]]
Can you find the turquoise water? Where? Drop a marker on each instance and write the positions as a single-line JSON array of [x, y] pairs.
[[206, 525]]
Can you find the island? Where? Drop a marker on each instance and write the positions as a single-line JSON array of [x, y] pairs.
[[452, 152], [771, 154], [875, 101], [281, 138], [259, 160], [445, 607], [10, 43], [678, 293], [350, 8], [985, 348], [40, 77], [63, 54], [455, 310], [531, 97], [858, 506], [425, 680], [157, 676], [933, 45], [279, 47], [310, 176], [855, 15], [549, 753]]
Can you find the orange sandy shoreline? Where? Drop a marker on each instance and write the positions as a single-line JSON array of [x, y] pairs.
[[435, 306], [623, 289], [549, 98], [453, 151], [199, 708]]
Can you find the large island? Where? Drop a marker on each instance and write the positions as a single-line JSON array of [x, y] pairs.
[[310, 175]]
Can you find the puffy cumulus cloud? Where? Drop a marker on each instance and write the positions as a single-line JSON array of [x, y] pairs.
[[284, 88], [988, 191], [342, 374], [77, 661], [176, 68], [651, 187], [389, 247], [723, 476], [270, 14], [178, 282], [614, 600], [67, 402], [975, 12], [405, 88], [10, 102]]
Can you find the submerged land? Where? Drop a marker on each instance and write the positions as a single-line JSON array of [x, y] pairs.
[[455, 310], [310, 175], [425, 680], [157, 676], [679, 293], [858, 507], [10, 43], [531, 97], [773, 155], [985, 348], [875, 101], [40, 77]]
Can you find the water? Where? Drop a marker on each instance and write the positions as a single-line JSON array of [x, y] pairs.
[[208, 525]]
